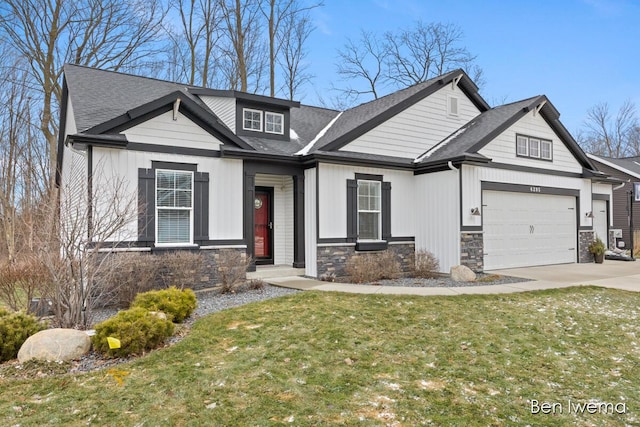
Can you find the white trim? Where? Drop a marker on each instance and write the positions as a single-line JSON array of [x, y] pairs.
[[223, 247], [613, 165], [261, 119], [408, 242], [175, 208], [268, 113], [310, 145], [374, 211]]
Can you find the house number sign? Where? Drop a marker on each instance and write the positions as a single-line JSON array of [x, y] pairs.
[[535, 189]]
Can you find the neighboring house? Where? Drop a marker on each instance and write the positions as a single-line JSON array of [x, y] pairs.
[[431, 167], [626, 170]]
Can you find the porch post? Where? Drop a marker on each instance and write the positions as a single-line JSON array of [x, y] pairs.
[[249, 192], [298, 221]]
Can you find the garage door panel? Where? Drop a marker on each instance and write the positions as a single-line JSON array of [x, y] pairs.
[[522, 229]]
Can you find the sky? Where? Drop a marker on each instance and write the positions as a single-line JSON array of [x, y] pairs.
[[576, 52]]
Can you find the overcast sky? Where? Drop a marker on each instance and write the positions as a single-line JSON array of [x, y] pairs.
[[577, 52]]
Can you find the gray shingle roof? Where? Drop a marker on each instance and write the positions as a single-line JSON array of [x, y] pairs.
[[354, 117], [631, 164], [469, 138], [98, 96]]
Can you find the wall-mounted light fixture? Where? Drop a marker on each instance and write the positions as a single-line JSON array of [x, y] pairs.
[[589, 214], [475, 212]]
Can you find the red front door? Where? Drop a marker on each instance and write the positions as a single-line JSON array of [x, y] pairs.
[[263, 227]]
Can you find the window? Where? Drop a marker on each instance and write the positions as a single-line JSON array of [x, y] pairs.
[[545, 150], [369, 210], [174, 207], [273, 123], [522, 146], [535, 148], [252, 120]]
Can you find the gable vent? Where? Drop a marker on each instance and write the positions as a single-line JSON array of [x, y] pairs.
[[452, 105]]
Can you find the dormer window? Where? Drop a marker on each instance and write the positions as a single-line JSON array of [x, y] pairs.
[[273, 123], [252, 120]]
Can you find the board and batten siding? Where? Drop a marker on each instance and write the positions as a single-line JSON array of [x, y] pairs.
[[437, 222], [418, 128], [163, 130], [282, 216], [332, 199], [73, 190], [473, 176], [310, 230], [503, 148], [225, 184], [224, 108]]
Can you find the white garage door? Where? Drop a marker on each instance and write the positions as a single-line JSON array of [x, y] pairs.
[[522, 229], [600, 220]]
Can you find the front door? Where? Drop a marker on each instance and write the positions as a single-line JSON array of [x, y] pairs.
[[263, 225]]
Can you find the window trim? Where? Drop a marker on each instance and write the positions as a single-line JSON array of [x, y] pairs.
[[540, 143], [379, 211], [271, 113], [191, 210], [252, 110]]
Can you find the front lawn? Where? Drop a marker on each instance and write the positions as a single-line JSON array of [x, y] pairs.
[[318, 358]]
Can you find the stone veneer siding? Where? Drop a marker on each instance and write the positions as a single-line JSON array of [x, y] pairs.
[[612, 240], [331, 260], [207, 277], [584, 240], [472, 250]]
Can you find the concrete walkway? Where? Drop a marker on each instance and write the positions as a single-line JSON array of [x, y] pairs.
[[611, 274]]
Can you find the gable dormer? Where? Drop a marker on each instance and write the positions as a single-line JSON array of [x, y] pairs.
[[250, 115]]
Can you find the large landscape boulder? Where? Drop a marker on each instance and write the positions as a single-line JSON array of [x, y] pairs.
[[55, 345], [461, 273]]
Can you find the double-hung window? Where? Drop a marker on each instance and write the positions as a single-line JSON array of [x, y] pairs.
[[174, 207], [273, 123], [535, 148], [252, 120], [369, 210]]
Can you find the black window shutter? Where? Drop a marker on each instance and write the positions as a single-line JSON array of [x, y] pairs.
[[352, 210], [386, 210], [146, 205], [201, 207]]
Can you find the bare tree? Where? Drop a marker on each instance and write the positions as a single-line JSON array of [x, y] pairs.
[[364, 59], [97, 33], [244, 61], [608, 135], [296, 30], [72, 247], [403, 58]]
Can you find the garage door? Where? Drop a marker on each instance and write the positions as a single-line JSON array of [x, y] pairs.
[[600, 219], [522, 229]]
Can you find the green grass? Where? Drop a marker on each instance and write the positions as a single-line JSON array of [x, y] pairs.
[[326, 358]]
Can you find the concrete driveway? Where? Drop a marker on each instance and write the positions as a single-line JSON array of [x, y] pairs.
[[610, 274]]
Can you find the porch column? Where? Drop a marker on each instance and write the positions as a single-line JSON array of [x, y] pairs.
[[298, 221], [249, 192]]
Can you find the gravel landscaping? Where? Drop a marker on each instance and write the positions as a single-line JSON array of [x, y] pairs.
[[446, 282]]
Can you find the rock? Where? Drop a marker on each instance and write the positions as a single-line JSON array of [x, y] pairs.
[[461, 273], [158, 314], [55, 345]]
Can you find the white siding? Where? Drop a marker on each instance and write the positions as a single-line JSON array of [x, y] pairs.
[[163, 130], [283, 216], [418, 128], [70, 125], [503, 148], [437, 225], [73, 193], [224, 108], [333, 199], [225, 184], [606, 189], [472, 177], [310, 231]]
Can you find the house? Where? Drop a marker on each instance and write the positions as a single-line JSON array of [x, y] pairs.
[[626, 170], [430, 167]]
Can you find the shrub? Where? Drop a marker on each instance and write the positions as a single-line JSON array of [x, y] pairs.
[[21, 281], [175, 303], [138, 330], [255, 284], [232, 269], [363, 268], [128, 275], [426, 265], [15, 328]]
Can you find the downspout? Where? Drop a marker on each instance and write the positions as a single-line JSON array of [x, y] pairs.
[[450, 164], [620, 186]]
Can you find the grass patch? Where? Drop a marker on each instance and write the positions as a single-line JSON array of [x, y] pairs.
[[325, 358]]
